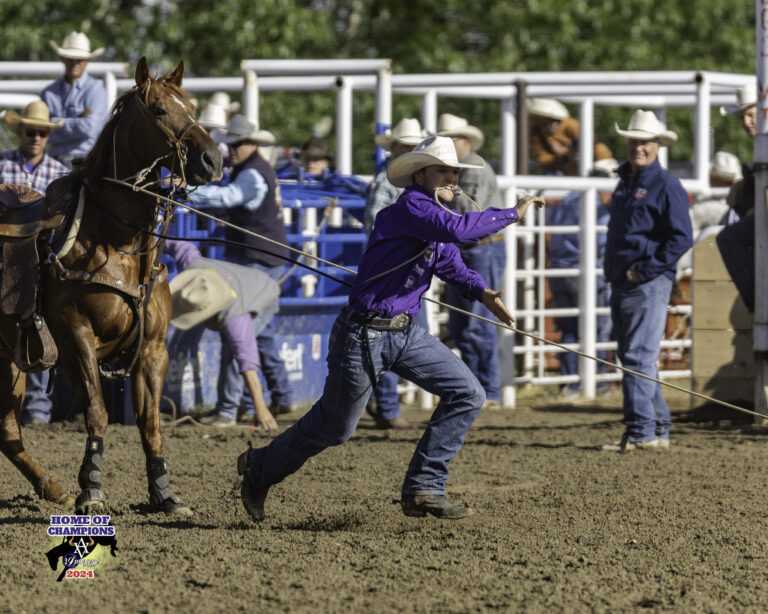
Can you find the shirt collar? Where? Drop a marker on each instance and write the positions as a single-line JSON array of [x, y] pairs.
[[644, 175]]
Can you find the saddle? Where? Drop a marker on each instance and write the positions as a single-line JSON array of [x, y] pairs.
[[27, 219]]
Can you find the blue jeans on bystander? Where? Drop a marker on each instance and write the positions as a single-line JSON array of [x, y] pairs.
[[639, 312]]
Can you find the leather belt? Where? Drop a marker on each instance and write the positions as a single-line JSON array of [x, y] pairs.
[[486, 241], [399, 322]]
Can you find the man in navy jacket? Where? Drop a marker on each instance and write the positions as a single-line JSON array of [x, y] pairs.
[[649, 230]]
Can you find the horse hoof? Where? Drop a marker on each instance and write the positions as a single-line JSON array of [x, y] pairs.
[[91, 501], [179, 509]]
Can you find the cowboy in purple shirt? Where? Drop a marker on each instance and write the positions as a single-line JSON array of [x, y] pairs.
[[411, 240]]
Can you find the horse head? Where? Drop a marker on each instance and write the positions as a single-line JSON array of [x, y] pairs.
[[164, 103]]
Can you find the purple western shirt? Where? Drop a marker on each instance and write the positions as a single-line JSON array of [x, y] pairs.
[[400, 234]]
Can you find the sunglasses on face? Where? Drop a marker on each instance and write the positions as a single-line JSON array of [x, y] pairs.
[[32, 133]]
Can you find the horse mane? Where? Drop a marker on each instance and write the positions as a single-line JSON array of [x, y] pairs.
[[95, 164]]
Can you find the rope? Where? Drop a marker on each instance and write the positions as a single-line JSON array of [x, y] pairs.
[[467, 313]]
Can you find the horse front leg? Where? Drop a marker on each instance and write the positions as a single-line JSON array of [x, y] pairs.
[[13, 381], [146, 390], [83, 370]]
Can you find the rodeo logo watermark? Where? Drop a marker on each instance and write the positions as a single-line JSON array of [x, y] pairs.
[[81, 536]]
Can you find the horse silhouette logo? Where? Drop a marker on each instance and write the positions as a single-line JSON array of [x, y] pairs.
[[71, 551]]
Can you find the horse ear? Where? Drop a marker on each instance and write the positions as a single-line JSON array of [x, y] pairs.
[[176, 75], [142, 72]]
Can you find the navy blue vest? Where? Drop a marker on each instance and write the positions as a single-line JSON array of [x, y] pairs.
[[267, 221]]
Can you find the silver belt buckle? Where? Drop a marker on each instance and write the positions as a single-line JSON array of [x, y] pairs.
[[399, 321]]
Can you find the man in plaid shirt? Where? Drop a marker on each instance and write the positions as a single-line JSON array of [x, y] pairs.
[[29, 165]]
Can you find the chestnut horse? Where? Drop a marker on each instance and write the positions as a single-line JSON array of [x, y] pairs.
[[107, 299]]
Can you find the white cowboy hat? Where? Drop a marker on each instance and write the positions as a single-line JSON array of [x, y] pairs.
[[213, 116], [433, 150], [645, 126], [726, 166], [746, 96], [36, 113], [76, 46], [408, 131], [452, 125], [547, 107], [240, 128], [607, 166], [197, 295], [223, 100]]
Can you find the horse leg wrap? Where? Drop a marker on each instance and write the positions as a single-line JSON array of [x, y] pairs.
[[160, 493], [89, 477]]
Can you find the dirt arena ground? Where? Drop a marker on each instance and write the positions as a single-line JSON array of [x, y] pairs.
[[560, 526]]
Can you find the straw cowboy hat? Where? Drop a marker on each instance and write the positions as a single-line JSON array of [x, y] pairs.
[[451, 125], [547, 107], [240, 128], [197, 295], [726, 166], [223, 100], [746, 96], [408, 131], [645, 126], [76, 47], [213, 116], [433, 150], [36, 114]]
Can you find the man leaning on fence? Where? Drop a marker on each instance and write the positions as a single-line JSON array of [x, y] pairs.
[[649, 230]]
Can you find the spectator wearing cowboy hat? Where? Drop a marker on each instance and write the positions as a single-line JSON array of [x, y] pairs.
[[564, 253], [30, 166], [235, 300], [77, 98], [745, 108], [252, 201], [314, 157], [555, 138], [476, 339], [384, 406], [412, 240], [649, 231], [213, 118]]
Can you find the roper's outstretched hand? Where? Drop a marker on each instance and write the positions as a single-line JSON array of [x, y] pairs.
[[492, 300], [526, 201]]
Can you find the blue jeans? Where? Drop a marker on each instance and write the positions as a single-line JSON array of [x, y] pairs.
[[565, 293], [413, 354], [475, 338], [385, 393], [639, 314], [232, 392], [37, 404]]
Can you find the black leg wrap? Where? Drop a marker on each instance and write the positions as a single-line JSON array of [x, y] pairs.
[[89, 477], [160, 494]]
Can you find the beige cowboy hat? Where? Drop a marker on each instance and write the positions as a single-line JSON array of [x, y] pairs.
[[452, 125], [240, 128], [36, 114], [606, 166], [213, 116], [746, 96], [645, 126], [197, 295], [432, 150], [547, 107], [408, 131], [726, 166], [76, 46], [223, 100]]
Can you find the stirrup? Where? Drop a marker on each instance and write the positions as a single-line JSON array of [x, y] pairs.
[[35, 348]]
